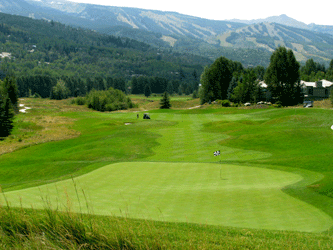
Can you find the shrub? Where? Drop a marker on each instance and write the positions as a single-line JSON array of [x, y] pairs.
[[108, 100], [80, 100], [225, 103], [195, 94], [278, 104]]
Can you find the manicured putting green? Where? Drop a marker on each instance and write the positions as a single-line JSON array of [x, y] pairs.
[[206, 193]]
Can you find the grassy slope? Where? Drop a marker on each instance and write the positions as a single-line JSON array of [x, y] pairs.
[[240, 124], [202, 193]]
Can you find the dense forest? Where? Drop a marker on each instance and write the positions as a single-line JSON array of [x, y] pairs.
[[40, 52]]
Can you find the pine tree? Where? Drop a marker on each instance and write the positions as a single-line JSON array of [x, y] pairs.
[[165, 101], [147, 90], [10, 88], [6, 116]]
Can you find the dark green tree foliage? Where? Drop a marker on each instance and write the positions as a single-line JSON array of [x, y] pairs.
[[283, 78], [60, 91], [329, 73], [119, 83], [135, 86], [233, 84], [170, 88], [10, 87], [41, 85], [215, 80], [248, 89], [6, 112], [260, 72], [312, 71], [108, 100], [158, 84], [147, 90], [165, 101]]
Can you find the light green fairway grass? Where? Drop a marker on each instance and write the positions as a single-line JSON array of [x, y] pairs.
[[205, 193], [166, 170], [186, 141]]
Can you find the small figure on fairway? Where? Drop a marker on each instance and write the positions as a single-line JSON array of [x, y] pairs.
[[137, 116]]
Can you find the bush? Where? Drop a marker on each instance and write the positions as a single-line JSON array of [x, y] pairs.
[[108, 100], [225, 103], [278, 104], [80, 100], [195, 94]]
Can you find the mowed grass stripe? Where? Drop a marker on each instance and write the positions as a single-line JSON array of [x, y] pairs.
[[206, 193], [187, 141]]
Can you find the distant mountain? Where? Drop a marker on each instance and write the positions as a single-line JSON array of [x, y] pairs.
[[165, 23], [282, 19], [268, 36], [288, 21], [250, 42]]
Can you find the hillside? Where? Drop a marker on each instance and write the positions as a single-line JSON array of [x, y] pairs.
[[267, 36], [282, 19], [99, 17], [51, 48], [288, 21], [238, 40]]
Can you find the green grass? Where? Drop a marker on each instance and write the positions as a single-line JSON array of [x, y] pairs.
[[34, 229], [278, 163], [214, 194]]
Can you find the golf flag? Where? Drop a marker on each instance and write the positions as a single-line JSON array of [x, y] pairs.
[[216, 153]]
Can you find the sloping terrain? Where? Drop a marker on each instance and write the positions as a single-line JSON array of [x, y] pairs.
[[251, 44], [288, 21], [268, 36], [98, 16]]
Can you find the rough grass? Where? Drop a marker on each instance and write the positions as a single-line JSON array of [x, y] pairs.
[[34, 229], [40, 124]]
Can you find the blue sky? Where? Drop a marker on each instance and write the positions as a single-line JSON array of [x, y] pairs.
[[318, 11]]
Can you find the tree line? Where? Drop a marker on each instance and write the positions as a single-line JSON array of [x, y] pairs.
[[64, 87], [223, 81]]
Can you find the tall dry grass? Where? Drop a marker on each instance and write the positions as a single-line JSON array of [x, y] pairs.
[[43, 123]]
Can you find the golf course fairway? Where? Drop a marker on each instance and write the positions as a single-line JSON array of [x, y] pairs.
[[205, 193]]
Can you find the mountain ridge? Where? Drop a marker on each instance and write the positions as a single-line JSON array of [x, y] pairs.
[[184, 33]]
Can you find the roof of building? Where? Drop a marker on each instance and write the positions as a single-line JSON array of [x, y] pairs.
[[308, 84], [324, 82]]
